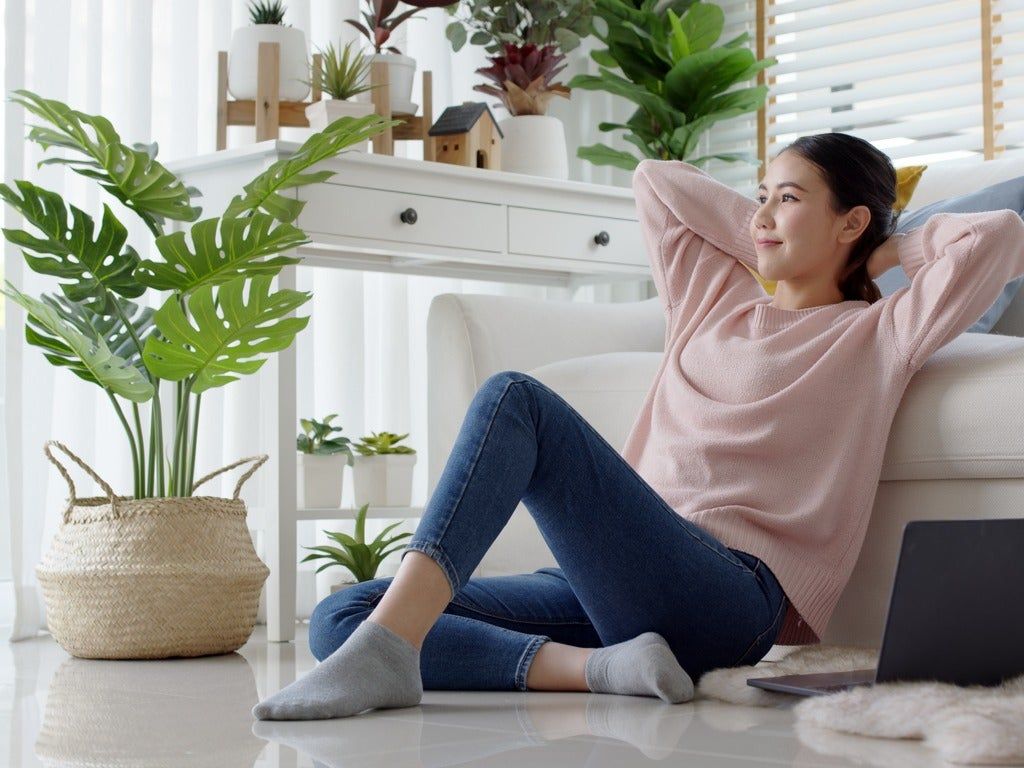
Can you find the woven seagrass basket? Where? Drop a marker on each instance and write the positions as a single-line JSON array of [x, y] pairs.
[[128, 578]]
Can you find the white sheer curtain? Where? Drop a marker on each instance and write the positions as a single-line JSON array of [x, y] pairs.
[[150, 67]]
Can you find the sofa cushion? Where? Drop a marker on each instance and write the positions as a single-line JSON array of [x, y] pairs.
[[1006, 194], [962, 415]]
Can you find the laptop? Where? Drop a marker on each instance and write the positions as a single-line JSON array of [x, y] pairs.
[[954, 615]]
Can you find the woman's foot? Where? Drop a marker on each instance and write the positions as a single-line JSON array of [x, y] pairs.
[[643, 666]]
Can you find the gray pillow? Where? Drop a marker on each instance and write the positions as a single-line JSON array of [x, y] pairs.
[[1005, 194]]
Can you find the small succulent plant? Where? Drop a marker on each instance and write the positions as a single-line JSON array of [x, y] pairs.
[[343, 74], [353, 553], [266, 12], [317, 440], [382, 443], [379, 24], [522, 78]]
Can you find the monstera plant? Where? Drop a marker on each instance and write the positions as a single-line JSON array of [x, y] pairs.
[[221, 318]]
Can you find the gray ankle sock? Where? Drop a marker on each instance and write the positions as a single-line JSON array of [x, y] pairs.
[[373, 668], [643, 666]]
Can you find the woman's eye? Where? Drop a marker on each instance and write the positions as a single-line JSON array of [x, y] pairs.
[[761, 199]]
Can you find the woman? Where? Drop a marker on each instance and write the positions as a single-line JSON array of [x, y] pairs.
[[734, 515]]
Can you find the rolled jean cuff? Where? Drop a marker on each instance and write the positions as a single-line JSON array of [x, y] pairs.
[[526, 659], [438, 555]]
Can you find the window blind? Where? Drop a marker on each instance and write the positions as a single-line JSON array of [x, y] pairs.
[[909, 77]]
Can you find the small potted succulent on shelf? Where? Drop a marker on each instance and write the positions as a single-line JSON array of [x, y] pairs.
[[268, 27], [322, 461], [362, 559], [377, 26], [382, 472], [342, 76]]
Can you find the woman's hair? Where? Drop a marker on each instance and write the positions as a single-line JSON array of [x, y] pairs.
[[857, 174]]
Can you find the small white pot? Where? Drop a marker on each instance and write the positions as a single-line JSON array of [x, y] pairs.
[[342, 585], [243, 58], [401, 69], [320, 480], [535, 145], [383, 480], [324, 112]]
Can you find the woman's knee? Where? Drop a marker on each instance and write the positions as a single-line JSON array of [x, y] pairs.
[[336, 616]]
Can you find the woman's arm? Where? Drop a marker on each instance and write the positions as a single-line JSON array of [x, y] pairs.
[[957, 264], [693, 225]]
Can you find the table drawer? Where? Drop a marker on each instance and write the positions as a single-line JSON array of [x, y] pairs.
[[572, 236], [374, 214]]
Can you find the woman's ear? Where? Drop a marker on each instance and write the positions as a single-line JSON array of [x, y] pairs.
[[856, 220]]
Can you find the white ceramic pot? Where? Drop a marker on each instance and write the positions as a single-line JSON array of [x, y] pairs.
[[535, 145], [244, 55], [342, 585], [401, 69], [383, 480], [320, 480], [324, 112]]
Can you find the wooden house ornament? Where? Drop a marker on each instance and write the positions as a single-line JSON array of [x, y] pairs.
[[468, 134]]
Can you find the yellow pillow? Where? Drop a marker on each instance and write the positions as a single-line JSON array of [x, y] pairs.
[[907, 178]]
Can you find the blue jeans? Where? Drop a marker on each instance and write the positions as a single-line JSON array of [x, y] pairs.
[[628, 563]]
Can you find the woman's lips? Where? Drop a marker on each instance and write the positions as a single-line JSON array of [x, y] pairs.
[[768, 243]]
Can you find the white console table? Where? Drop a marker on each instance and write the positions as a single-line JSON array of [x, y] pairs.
[[393, 214]]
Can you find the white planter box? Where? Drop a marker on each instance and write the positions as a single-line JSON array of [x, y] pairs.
[[324, 112], [320, 480], [243, 58], [384, 480]]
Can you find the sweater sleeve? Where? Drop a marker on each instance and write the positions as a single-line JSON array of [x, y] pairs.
[[693, 226], [957, 264]]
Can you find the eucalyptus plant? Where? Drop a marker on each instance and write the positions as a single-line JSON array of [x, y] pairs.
[[494, 24], [362, 559], [669, 69], [221, 319]]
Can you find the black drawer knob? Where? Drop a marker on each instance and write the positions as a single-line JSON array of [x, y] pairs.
[[408, 216], [602, 238]]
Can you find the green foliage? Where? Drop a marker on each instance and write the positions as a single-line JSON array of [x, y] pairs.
[[678, 81], [266, 12], [317, 440], [378, 24], [382, 443], [362, 559], [495, 23], [221, 319], [344, 74]]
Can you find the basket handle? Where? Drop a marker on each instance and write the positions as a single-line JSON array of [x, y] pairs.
[[71, 484], [238, 487]]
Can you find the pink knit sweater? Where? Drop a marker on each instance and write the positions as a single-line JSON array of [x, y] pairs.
[[767, 427]]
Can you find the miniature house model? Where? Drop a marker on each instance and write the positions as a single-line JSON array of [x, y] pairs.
[[468, 134]]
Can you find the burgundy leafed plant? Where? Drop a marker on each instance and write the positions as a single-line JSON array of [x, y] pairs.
[[523, 78], [379, 24]]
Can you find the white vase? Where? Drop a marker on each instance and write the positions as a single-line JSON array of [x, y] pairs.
[[401, 69], [383, 480], [243, 58], [535, 145], [320, 480], [324, 112]]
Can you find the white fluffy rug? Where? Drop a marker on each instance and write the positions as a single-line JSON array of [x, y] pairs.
[[966, 725]]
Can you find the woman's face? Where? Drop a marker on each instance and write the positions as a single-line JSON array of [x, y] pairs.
[[812, 239]]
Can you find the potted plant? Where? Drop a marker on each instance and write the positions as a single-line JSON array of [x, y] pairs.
[[342, 76], [527, 40], [377, 26], [676, 79], [382, 472], [268, 27], [322, 461], [220, 320], [362, 559]]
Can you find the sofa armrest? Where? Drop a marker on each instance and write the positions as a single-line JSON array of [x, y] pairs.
[[472, 336]]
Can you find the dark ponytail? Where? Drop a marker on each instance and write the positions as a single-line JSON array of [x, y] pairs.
[[857, 174]]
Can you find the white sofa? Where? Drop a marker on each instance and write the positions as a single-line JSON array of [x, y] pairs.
[[956, 448]]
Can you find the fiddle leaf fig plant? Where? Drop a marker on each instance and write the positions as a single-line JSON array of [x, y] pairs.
[[362, 559], [222, 318], [385, 442], [316, 438]]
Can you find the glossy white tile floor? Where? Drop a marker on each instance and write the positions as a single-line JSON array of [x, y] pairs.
[[61, 711]]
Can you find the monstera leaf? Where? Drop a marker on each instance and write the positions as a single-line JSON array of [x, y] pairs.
[[242, 242], [109, 327], [132, 175], [264, 192], [96, 268], [88, 357], [228, 335]]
